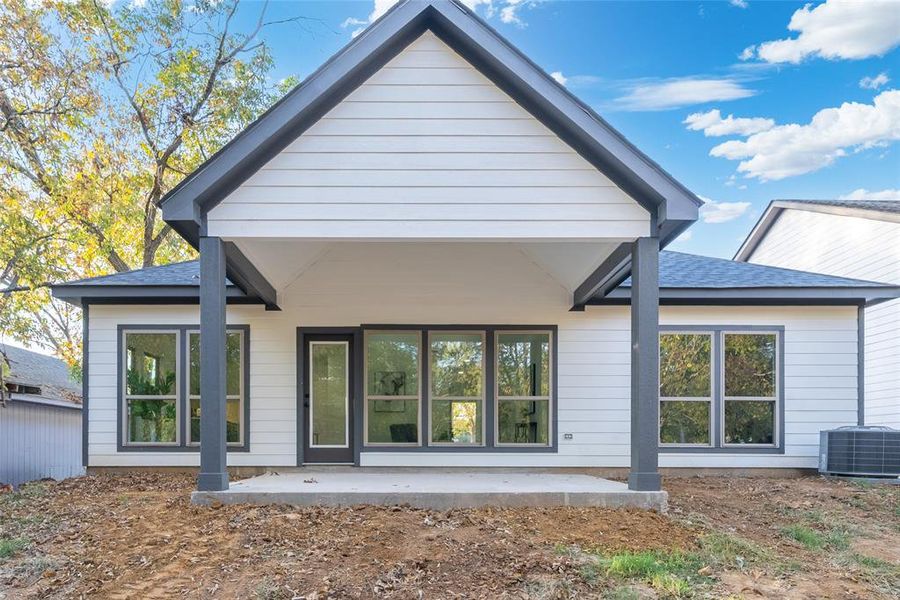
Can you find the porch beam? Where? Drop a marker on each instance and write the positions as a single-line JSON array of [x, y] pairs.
[[244, 274], [605, 278], [644, 474], [213, 468]]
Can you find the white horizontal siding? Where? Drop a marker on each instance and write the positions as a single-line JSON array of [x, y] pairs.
[[862, 249], [428, 147], [593, 378]]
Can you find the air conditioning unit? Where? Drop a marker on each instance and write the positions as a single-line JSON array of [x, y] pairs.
[[862, 451]]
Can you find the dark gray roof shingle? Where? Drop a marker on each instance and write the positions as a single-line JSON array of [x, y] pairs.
[[679, 270], [176, 274]]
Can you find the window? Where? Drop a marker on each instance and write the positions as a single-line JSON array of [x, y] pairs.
[[329, 400], [523, 379], [720, 388], [750, 388], [234, 376], [392, 387], [151, 387], [160, 387], [456, 376], [685, 388]]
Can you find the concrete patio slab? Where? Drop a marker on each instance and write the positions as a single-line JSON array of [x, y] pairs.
[[432, 488]]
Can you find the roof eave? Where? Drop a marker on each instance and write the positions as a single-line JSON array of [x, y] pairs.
[[823, 295]]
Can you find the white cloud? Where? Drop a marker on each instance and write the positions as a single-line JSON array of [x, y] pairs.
[[837, 29], [721, 212], [674, 93], [712, 124], [873, 83], [794, 149], [747, 53], [739, 3], [864, 194], [559, 77]]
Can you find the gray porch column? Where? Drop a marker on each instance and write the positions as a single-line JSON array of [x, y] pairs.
[[213, 471], [644, 474]]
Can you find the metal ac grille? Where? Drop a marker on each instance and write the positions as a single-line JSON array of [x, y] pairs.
[[864, 452]]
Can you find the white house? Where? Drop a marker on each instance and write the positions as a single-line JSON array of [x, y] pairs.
[[437, 256], [848, 238]]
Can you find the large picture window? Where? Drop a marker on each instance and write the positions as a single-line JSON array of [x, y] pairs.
[[151, 387], [456, 376], [392, 387], [720, 388], [686, 388], [160, 387], [523, 376], [750, 388], [234, 376]]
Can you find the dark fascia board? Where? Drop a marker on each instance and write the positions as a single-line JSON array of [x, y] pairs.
[[776, 207], [671, 206], [605, 278], [247, 277], [78, 295], [768, 296]]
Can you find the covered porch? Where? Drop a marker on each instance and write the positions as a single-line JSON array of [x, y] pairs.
[[436, 489]]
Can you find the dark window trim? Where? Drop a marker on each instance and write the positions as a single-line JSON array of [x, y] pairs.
[[718, 403], [182, 391], [489, 399]]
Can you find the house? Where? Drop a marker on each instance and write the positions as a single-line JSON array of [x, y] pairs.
[[40, 418], [431, 254], [848, 238]]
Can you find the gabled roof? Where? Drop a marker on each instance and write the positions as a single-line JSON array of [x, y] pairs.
[[686, 276], [672, 206], [876, 210], [49, 374]]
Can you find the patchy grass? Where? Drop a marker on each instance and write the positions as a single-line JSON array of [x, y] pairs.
[[836, 538], [10, 546], [725, 550], [670, 574]]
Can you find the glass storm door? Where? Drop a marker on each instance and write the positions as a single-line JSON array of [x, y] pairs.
[[328, 400]]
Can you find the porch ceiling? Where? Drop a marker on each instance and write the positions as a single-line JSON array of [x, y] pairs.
[[284, 261]]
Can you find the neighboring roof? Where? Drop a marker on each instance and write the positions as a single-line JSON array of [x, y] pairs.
[[672, 206], [680, 276], [173, 283], [876, 210], [49, 374]]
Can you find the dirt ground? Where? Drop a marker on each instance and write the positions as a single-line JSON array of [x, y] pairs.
[[137, 536]]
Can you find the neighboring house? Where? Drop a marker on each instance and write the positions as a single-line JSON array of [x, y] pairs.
[[437, 256], [40, 419], [848, 238]]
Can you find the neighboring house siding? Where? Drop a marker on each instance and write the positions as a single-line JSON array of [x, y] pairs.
[[858, 248], [486, 284], [38, 442], [428, 147]]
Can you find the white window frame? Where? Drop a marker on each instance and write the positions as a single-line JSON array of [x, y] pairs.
[[776, 400], [367, 397], [480, 400], [312, 403], [191, 397], [498, 333], [126, 397], [712, 387]]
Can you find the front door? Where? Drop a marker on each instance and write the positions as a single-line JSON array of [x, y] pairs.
[[328, 399]]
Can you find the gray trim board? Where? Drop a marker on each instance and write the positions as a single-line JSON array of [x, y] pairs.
[[247, 277], [718, 405], [183, 396], [774, 295], [861, 365], [605, 278], [85, 380]]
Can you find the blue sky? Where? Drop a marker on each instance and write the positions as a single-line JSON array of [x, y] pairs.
[[646, 67]]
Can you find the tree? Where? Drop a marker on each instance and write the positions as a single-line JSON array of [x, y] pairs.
[[103, 109]]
